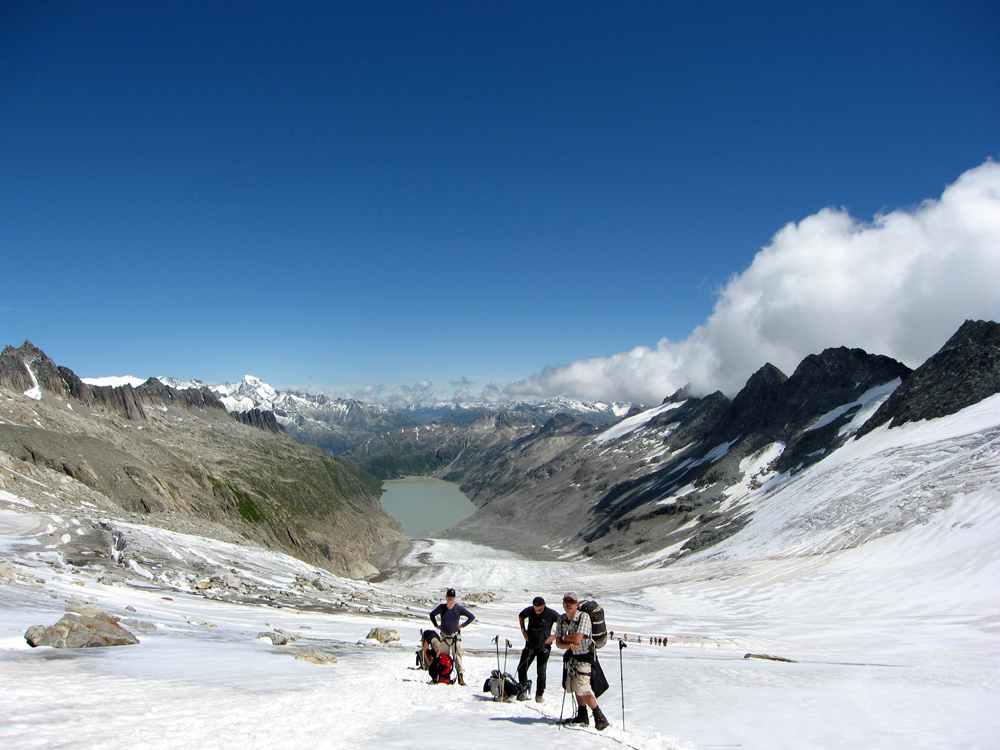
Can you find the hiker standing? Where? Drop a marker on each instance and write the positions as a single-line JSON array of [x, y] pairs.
[[451, 626], [574, 633], [538, 640]]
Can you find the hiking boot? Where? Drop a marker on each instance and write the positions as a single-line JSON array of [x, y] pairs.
[[580, 718], [600, 721], [538, 698], [461, 680]]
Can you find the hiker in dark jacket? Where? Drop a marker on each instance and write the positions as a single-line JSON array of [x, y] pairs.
[[538, 640], [451, 614]]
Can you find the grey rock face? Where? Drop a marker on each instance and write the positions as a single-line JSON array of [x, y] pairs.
[[964, 372], [262, 420], [80, 631]]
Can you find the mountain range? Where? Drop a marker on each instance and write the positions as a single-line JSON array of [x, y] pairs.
[[556, 479], [340, 425], [176, 458], [685, 475]]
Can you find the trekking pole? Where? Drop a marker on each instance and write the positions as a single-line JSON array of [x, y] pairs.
[[621, 669], [497, 641], [503, 690], [563, 704]]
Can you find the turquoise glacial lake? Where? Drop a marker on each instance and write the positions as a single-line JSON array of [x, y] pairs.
[[424, 505]]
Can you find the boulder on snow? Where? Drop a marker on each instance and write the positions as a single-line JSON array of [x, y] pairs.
[[315, 656], [88, 610], [81, 631], [277, 639], [278, 636], [383, 635]]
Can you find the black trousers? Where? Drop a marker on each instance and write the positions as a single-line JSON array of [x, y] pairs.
[[528, 655]]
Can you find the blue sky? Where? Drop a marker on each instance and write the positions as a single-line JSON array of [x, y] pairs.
[[563, 195]]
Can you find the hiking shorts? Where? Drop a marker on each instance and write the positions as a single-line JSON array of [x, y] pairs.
[[578, 678]]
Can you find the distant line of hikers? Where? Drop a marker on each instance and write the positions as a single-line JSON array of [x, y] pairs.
[[653, 640], [575, 630]]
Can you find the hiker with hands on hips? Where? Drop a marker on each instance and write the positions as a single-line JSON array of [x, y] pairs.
[[450, 625]]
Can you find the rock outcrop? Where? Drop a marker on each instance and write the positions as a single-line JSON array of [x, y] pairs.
[[93, 630], [383, 635], [262, 420], [964, 372]]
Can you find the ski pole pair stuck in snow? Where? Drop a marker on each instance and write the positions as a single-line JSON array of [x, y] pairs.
[[503, 672]]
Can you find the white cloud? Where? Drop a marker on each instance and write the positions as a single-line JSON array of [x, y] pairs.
[[899, 285], [405, 395], [490, 393]]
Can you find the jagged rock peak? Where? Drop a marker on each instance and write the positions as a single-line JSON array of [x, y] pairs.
[[263, 420], [760, 396], [507, 420], [557, 422], [837, 376], [13, 372], [962, 373], [844, 363], [27, 350], [29, 371], [681, 394]]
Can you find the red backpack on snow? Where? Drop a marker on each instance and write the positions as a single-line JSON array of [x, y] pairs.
[[440, 669]]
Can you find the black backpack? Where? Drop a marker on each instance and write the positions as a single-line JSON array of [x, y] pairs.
[[599, 628], [505, 687]]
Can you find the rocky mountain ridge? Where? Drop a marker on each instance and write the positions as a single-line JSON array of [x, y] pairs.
[[665, 481], [964, 372], [177, 458], [335, 425], [678, 477], [464, 413], [341, 425]]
